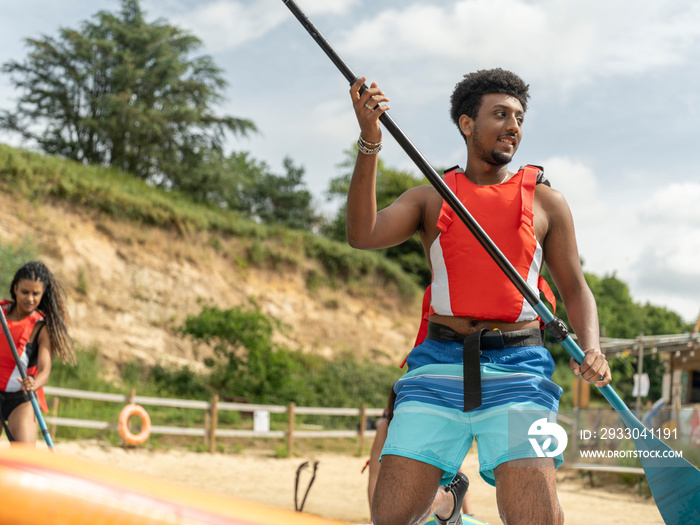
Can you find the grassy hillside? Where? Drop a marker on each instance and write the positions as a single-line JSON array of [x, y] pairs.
[[118, 195], [136, 260]]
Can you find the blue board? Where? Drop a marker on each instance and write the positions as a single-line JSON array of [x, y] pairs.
[[466, 520]]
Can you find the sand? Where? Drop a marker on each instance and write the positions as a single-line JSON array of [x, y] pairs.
[[340, 489]]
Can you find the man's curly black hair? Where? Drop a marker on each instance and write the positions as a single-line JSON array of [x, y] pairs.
[[467, 95]]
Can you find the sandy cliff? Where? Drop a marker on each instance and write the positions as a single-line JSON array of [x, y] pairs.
[[129, 286]]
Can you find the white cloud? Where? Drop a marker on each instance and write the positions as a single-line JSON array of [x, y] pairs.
[[652, 244], [667, 274], [673, 205], [573, 41], [226, 24], [223, 24], [670, 265], [598, 242], [338, 7], [577, 182]]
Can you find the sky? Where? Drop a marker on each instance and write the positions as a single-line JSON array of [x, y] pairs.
[[613, 117]]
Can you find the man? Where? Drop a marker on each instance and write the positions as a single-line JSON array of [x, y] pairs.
[[482, 370]]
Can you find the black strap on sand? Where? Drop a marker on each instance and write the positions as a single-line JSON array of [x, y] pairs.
[[301, 467]]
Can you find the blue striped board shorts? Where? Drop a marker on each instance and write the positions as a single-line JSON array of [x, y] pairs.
[[429, 423]]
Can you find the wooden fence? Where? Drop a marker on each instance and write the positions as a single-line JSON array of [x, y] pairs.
[[210, 431]]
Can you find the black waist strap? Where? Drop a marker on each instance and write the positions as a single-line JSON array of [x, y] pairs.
[[473, 345]]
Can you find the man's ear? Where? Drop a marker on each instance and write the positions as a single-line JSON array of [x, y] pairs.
[[466, 124]]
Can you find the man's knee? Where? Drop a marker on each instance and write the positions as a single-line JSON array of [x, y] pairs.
[[526, 493], [544, 513], [404, 492], [387, 511]]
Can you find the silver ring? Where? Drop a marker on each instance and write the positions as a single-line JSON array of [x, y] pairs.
[[369, 107]]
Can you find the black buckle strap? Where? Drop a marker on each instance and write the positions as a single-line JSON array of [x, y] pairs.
[[473, 345], [471, 367]]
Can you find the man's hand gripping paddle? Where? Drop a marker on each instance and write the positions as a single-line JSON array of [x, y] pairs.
[[673, 481], [23, 373]]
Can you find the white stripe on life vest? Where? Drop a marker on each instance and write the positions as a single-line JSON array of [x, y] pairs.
[[440, 287], [12, 384], [527, 313]]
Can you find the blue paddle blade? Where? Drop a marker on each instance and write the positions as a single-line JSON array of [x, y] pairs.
[[676, 489], [674, 482]]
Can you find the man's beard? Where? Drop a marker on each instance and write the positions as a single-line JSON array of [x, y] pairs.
[[500, 158], [495, 158]]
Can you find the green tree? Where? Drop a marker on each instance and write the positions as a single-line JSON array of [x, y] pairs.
[[125, 93], [278, 199], [657, 320], [246, 362], [247, 185], [390, 184]]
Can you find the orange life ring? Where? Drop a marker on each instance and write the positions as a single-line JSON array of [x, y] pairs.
[[129, 411]]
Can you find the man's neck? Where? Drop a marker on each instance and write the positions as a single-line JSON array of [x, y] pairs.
[[482, 173]]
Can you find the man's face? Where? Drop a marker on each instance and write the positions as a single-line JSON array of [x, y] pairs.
[[495, 134]]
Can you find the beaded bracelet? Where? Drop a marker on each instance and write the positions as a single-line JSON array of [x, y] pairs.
[[365, 148], [368, 143]]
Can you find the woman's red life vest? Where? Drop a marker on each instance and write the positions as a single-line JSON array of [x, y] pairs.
[[466, 280], [21, 331]]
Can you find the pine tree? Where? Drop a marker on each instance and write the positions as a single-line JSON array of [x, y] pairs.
[[125, 93]]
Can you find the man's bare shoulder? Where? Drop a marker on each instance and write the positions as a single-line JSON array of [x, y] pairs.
[[550, 209], [427, 199], [426, 194], [549, 198], [424, 189]]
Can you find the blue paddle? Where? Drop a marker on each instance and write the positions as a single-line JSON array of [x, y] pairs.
[[23, 373], [674, 482]]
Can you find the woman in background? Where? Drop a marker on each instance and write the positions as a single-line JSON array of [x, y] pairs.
[[36, 317]]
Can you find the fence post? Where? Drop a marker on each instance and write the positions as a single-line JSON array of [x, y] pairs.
[[54, 409], [363, 427], [640, 371], [207, 426], [213, 422], [290, 429], [132, 395]]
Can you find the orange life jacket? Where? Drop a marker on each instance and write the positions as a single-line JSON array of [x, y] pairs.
[[21, 331], [466, 280]]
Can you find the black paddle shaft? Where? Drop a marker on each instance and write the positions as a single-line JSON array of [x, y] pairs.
[[422, 164]]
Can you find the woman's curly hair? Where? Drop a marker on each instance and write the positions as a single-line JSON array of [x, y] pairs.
[[52, 306]]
